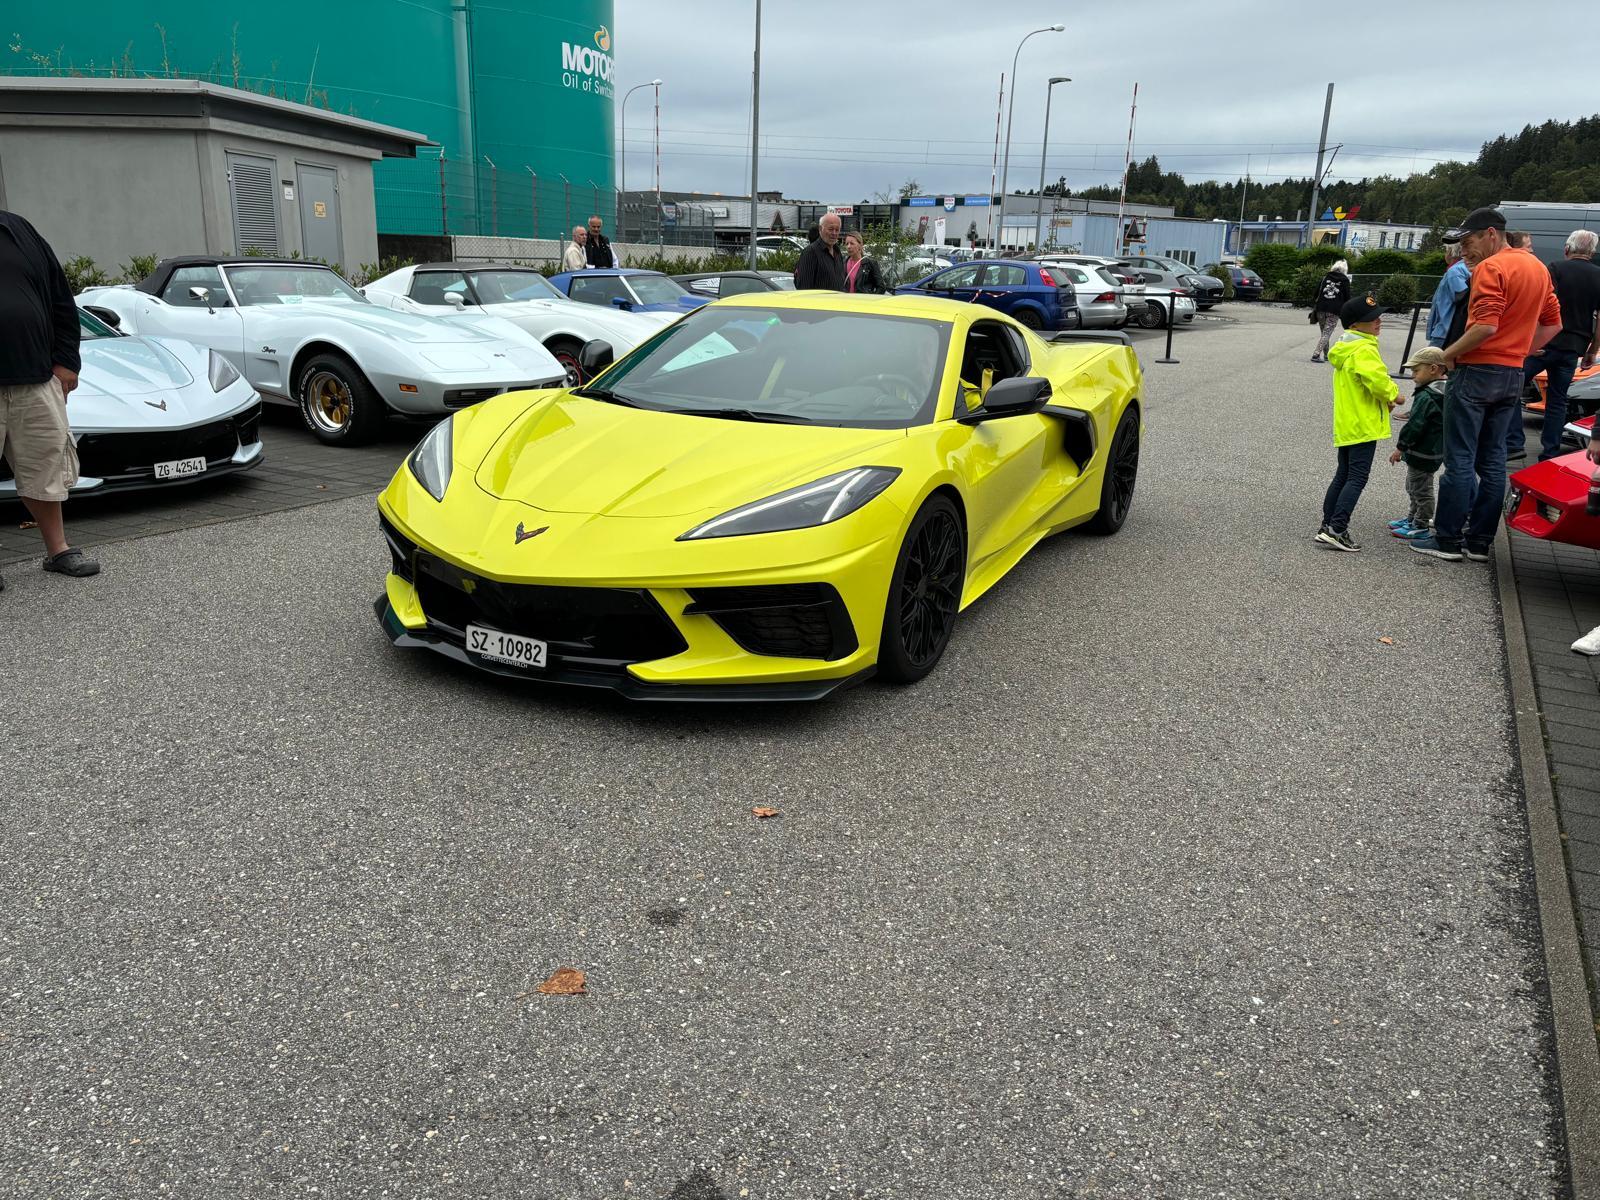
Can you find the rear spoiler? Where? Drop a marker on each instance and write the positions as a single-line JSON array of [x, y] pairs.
[[1111, 337]]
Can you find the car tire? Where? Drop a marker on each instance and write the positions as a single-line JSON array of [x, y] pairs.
[[337, 403], [566, 351], [919, 613], [1031, 319], [1121, 474], [1153, 316]]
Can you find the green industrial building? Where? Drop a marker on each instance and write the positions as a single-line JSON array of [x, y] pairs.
[[518, 93]]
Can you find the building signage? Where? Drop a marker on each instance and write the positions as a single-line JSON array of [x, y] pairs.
[[919, 201], [588, 68], [842, 210], [718, 212], [949, 204], [975, 201]]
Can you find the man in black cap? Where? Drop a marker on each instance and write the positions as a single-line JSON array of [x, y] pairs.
[[1512, 313]]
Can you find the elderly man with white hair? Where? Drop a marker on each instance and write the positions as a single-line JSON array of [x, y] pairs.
[[576, 258], [1577, 286]]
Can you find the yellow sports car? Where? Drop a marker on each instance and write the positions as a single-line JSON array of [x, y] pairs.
[[778, 495]]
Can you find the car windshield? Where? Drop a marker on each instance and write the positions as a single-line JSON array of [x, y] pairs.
[[91, 326], [785, 283], [285, 283], [802, 365], [656, 289], [502, 287]]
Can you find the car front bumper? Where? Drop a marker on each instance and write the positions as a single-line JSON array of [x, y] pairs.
[[1549, 500]]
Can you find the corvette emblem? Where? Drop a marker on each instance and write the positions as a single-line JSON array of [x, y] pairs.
[[524, 534], [162, 406]]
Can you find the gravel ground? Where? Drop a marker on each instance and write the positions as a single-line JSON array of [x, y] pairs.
[[1160, 887]]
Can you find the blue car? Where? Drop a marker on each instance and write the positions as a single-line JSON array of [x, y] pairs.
[[1040, 297], [628, 289]]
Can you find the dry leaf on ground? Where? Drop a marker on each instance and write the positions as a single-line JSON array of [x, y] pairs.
[[565, 982], [1387, 641], [761, 811]]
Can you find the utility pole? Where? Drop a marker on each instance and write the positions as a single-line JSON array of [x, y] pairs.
[[755, 138], [994, 166], [1243, 196], [1322, 148], [1127, 165]]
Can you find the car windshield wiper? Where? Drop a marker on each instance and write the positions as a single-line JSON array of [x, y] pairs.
[[606, 394], [744, 414]]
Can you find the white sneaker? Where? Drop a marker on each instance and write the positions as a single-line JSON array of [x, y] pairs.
[[1589, 643]]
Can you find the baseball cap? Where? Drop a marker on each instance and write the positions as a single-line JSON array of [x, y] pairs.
[[1360, 308], [1477, 220], [1428, 356]]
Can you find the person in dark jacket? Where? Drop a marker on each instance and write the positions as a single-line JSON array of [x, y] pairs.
[[38, 369], [1421, 442], [1333, 293], [861, 274], [821, 266], [597, 250]]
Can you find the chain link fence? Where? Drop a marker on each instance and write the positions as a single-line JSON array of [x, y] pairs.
[[433, 194]]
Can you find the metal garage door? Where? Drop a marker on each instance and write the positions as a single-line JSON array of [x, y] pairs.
[[255, 203], [319, 213]]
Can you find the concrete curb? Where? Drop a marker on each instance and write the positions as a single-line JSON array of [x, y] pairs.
[[1577, 1055]]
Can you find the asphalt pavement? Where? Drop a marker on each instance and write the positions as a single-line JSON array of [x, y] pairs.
[[1198, 869]]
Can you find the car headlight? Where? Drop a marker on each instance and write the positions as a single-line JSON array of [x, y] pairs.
[[222, 373], [430, 462], [800, 507]]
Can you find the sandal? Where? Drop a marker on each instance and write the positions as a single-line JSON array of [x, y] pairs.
[[72, 562]]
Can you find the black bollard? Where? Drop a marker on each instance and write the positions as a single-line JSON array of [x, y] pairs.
[[1172, 308], [1411, 336]]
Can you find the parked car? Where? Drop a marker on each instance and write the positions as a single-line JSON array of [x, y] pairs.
[[521, 295], [629, 289], [717, 284], [779, 243], [1247, 285], [301, 335], [1100, 300], [1550, 499], [151, 412], [1207, 290], [1125, 277], [1156, 301], [1024, 290]]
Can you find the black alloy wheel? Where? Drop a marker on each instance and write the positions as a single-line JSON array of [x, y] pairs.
[[924, 593], [1030, 318], [1121, 474]]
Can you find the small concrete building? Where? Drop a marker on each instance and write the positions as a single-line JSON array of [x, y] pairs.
[[111, 168]]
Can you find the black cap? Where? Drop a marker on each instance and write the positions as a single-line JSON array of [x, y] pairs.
[[1477, 220], [1361, 308]]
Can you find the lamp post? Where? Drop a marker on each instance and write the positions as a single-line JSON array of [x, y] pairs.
[[755, 136], [655, 83], [1049, 93], [1011, 101]]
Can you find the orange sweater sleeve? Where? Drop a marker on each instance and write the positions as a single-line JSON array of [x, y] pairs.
[[1488, 294]]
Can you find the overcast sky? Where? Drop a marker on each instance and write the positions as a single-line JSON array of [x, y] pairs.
[[858, 96]]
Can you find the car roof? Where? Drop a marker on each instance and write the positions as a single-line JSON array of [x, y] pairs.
[[154, 282], [728, 274], [927, 307], [477, 266]]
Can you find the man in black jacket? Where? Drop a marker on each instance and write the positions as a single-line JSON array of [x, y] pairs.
[[598, 247], [821, 265], [38, 370]]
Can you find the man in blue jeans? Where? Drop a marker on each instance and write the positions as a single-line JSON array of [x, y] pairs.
[[1511, 314], [1577, 283]]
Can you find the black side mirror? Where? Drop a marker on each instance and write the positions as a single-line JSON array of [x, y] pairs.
[[105, 314], [595, 357], [1016, 397]]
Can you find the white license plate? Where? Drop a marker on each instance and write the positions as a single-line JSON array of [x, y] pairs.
[[180, 467], [509, 648]]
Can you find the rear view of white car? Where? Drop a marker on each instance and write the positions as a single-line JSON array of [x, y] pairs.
[[301, 335], [149, 412], [521, 295]]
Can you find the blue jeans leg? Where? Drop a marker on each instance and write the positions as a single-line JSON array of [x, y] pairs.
[[1349, 481], [1517, 431], [1559, 368], [1479, 406]]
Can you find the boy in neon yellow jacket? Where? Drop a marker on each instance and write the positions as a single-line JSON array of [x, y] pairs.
[[1363, 395]]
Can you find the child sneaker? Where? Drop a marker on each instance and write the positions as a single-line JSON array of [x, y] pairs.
[[1415, 533], [1399, 521]]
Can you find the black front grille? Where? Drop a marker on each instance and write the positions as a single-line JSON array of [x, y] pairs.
[[602, 628], [462, 397], [124, 455], [799, 620]]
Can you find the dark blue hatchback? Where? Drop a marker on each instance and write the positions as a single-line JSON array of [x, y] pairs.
[[1034, 295]]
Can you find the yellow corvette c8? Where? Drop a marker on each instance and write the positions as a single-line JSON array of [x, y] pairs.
[[778, 495]]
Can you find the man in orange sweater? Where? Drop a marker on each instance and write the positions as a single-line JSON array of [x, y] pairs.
[[1513, 312]]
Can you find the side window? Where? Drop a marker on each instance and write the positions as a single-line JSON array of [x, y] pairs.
[[736, 285], [1005, 275], [960, 277], [992, 353], [430, 287], [598, 289], [177, 290]]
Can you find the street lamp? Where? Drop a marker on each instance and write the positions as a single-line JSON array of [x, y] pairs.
[[655, 83], [1049, 93], [1005, 171]]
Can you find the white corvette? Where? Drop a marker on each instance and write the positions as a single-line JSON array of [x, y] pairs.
[[301, 335], [148, 412], [521, 295]]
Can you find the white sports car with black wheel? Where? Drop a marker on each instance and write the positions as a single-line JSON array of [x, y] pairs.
[[521, 295], [301, 335], [150, 412]]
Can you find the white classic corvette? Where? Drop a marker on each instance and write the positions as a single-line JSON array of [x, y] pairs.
[[301, 335], [521, 295], [149, 411]]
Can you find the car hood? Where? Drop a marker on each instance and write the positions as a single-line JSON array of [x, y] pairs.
[[130, 366], [391, 323], [147, 383], [624, 330], [575, 455]]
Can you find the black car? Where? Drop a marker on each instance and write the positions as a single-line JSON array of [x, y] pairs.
[[1247, 285], [717, 284]]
